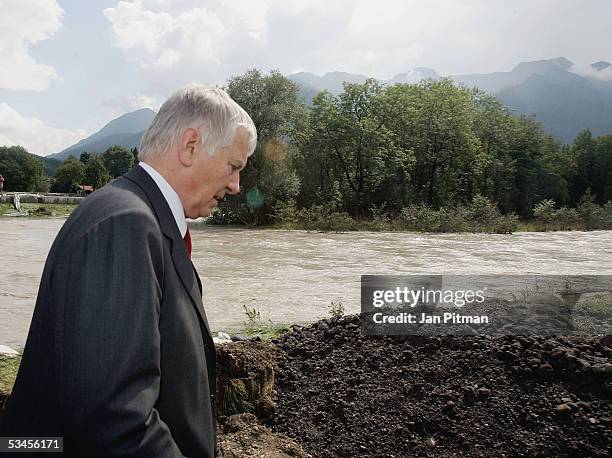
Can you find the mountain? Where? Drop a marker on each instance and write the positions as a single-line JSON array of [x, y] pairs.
[[49, 165], [563, 97], [310, 84], [495, 82], [126, 131], [601, 65], [564, 102]]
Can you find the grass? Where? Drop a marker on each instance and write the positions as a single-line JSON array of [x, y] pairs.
[[9, 366], [599, 305], [38, 210], [255, 327]]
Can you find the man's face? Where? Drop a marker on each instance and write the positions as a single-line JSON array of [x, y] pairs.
[[215, 176]]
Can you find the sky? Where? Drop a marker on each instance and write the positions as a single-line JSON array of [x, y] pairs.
[[69, 67]]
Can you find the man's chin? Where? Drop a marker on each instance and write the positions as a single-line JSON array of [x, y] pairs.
[[207, 212]]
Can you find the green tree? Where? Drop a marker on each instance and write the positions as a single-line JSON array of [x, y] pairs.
[[583, 151], [118, 160], [135, 154], [95, 173], [448, 154], [85, 156], [68, 176], [349, 152], [601, 180], [21, 171], [273, 103]]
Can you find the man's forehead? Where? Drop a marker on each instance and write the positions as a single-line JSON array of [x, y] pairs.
[[241, 145]]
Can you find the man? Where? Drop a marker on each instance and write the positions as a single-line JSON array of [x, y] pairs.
[[119, 359]]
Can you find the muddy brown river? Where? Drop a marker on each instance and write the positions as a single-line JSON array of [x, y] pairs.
[[292, 276]]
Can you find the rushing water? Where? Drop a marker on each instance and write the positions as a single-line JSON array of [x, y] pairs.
[[292, 276]]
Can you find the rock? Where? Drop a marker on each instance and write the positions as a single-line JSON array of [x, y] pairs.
[[544, 369], [583, 405], [222, 337], [602, 368], [606, 340], [8, 351], [240, 338], [449, 408], [563, 409], [484, 392], [558, 353]]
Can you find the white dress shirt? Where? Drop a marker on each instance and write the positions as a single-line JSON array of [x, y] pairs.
[[174, 202]]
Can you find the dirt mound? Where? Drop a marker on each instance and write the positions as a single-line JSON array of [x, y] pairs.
[[242, 436], [245, 378], [342, 394]]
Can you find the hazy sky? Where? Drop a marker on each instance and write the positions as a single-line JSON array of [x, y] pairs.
[[68, 67]]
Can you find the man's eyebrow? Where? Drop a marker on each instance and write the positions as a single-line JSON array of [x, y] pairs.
[[237, 163]]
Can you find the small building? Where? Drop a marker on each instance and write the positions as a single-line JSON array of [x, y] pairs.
[[84, 190]]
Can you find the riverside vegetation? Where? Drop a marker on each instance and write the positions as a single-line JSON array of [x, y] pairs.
[[432, 156], [481, 215]]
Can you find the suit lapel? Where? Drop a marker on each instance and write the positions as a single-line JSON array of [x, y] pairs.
[[180, 258]]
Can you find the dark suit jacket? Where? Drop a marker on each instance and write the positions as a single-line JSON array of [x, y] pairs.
[[119, 358]]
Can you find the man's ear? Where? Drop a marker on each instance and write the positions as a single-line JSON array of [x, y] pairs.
[[189, 143]]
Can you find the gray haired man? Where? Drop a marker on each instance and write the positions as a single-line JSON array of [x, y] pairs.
[[119, 359]]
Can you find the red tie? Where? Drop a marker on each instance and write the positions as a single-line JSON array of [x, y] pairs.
[[187, 240]]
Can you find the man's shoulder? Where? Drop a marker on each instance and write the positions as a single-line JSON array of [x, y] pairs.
[[118, 196], [115, 204]]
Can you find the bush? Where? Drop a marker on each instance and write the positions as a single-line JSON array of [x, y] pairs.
[[607, 215], [566, 219], [419, 218], [287, 215], [590, 213], [544, 213], [482, 214], [325, 219]]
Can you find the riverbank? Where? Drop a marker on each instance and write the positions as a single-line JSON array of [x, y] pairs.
[[326, 390], [37, 210], [422, 220]]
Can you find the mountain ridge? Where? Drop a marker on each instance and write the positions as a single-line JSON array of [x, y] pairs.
[[126, 131], [565, 101]]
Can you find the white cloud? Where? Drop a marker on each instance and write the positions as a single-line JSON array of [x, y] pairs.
[[135, 102], [586, 70], [33, 134], [22, 24], [180, 41], [159, 39]]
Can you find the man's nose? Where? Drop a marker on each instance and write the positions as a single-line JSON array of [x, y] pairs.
[[234, 185]]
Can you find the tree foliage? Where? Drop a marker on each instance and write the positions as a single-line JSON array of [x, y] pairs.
[[68, 176], [21, 171], [95, 172], [277, 111], [118, 160]]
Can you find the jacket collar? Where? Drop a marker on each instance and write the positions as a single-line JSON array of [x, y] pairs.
[[180, 258]]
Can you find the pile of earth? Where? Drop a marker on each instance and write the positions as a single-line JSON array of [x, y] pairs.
[[243, 436], [339, 393]]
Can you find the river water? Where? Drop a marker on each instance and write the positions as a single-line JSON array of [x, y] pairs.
[[292, 276]]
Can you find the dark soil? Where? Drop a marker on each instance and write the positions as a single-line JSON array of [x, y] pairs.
[[338, 393], [243, 436]]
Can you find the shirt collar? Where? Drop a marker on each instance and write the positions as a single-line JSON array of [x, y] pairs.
[[174, 202]]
